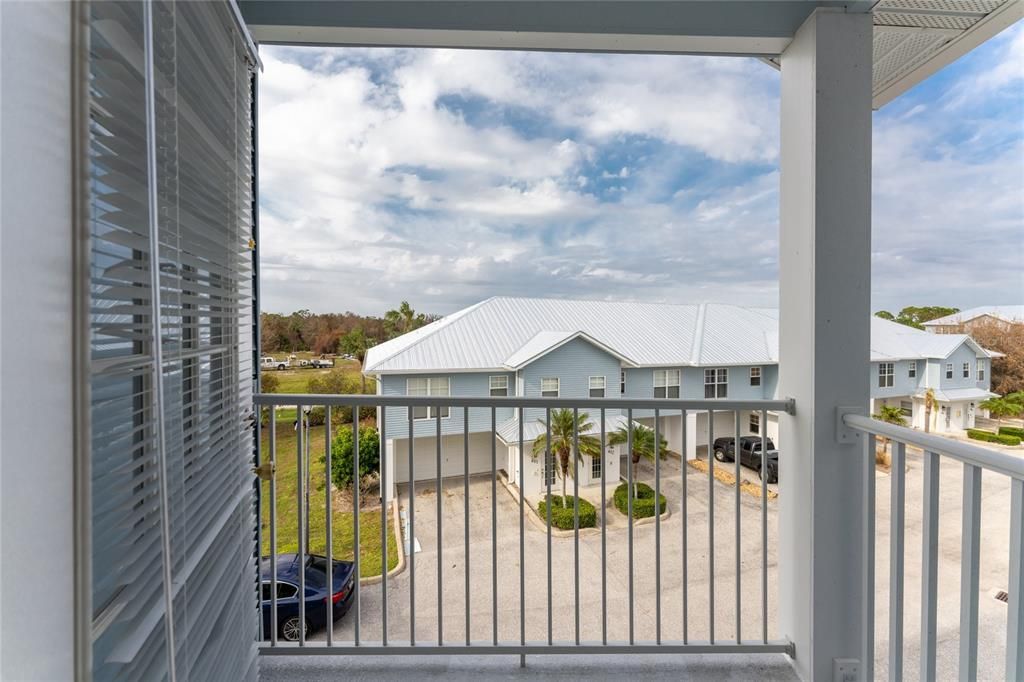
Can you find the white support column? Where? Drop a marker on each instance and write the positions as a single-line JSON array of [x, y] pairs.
[[825, 286]]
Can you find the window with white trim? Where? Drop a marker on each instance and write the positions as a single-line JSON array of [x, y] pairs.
[[755, 376], [549, 387], [716, 382], [597, 385], [498, 386], [595, 467], [912, 370], [622, 382], [967, 370], [886, 374], [981, 370], [666, 383], [907, 408], [949, 370], [549, 470], [755, 422], [428, 386]]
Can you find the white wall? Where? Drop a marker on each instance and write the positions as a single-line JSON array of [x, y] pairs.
[[452, 457], [36, 483]]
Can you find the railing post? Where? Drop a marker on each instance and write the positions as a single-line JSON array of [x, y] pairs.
[[824, 313]]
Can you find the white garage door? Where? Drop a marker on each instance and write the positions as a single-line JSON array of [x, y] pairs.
[[452, 456]]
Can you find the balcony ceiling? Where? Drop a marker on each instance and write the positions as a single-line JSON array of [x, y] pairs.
[[913, 38]]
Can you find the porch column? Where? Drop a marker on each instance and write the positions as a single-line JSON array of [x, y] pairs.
[[824, 332]]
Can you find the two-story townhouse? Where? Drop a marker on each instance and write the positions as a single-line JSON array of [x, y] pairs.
[[557, 348]]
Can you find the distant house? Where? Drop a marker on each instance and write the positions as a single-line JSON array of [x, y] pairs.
[[965, 321], [536, 347]]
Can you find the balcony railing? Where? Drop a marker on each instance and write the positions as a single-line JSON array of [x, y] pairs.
[[516, 624], [975, 460]]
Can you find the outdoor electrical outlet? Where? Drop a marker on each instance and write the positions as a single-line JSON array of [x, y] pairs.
[[845, 670]]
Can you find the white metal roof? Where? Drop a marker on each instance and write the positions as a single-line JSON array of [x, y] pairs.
[[1009, 313], [953, 394], [500, 332], [508, 431]]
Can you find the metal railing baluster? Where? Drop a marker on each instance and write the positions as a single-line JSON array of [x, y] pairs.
[[685, 521], [763, 425], [576, 518], [522, 548], [548, 465], [494, 527], [711, 526], [970, 554], [929, 565], [604, 536], [868, 615], [273, 525], [465, 510], [303, 540], [736, 455], [897, 501], [1015, 587], [356, 563], [329, 559], [412, 531], [383, 458], [629, 514], [657, 526], [440, 539]]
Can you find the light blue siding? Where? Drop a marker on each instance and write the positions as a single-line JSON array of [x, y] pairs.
[[902, 382], [963, 354], [770, 380], [573, 363], [462, 384]]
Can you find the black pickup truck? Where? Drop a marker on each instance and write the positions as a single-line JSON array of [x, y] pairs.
[[750, 454]]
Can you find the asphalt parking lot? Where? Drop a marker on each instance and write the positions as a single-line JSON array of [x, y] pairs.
[[994, 562]]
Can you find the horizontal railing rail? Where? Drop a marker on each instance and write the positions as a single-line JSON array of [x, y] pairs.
[[976, 460], [489, 637]]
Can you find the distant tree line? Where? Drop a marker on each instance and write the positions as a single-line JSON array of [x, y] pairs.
[[336, 332], [916, 316]]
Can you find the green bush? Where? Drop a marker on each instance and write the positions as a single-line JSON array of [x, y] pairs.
[[1011, 431], [341, 455], [643, 502], [989, 437], [563, 518]]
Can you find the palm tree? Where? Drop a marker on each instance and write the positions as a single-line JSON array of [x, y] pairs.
[[890, 415], [565, 428], [1002, 407], [643, 445], [930, 403]]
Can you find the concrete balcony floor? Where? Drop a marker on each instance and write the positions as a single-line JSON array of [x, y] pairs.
[[765, 667]]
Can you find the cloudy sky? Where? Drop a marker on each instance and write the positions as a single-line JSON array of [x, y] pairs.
[[444, 177]]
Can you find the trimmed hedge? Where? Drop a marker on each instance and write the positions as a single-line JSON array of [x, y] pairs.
[[562, 518], [989, 437], [643, 502], [1011, 431]]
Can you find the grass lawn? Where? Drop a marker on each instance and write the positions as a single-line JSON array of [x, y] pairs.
[[342, 525]]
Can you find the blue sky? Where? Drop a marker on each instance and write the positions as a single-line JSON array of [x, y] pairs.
[[443, 177]]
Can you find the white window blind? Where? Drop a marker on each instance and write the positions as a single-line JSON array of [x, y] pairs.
[[187, 161]]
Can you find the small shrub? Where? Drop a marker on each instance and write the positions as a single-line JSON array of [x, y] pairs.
[[341, 455], [643, 501], [1011, 431], [269, 383], [563, 518], [989, 437]]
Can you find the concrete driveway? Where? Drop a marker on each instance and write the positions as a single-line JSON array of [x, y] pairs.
[[995, 532]]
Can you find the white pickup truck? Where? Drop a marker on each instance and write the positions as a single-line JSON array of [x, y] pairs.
[[321, 363], [268, 362]]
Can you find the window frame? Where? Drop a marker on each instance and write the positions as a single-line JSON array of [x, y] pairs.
[[755, 423], [603, 388], [622, 382], [886, 374], [431, 412], [755, 376], [967, 370], [907, 408], [980, 369], [548, 471], [949, 370], [912, 370], [665, 386], [596, 466], [558, 387], [719, 383], [491, 388]]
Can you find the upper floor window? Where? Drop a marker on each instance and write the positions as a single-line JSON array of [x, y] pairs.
[[967, 370], [549, 387], [755, 422], [949, 370], [498, 386], [981, 370], [597, 387], [429, 386], [622, 382], [755, 377], [716, 383], [912, 370], [885, 374], [666, 383]]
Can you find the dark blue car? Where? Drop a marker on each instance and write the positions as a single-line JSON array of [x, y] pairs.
[[317, 593]]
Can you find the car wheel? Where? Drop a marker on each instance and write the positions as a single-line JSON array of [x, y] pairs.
[[280, 367], [720, 455], [290, 629]]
